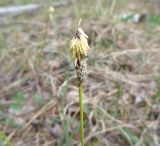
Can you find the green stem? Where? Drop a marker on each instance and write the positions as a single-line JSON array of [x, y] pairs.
[[81, 113]]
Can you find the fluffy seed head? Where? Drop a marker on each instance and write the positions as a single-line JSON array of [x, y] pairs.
[[79, 46]]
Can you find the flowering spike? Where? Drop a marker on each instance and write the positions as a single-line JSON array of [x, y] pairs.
[[79, 46]]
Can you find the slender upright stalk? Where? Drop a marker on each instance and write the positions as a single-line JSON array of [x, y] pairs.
[[81, 113], [79, 48]]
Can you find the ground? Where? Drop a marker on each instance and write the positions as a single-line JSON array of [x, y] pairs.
[[38, 85]]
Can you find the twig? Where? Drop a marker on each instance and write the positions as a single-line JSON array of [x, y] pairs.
[[22, 22], [46, 107], [127, 52], [13, 85], [17, 10], [134, 51], [116, 76]]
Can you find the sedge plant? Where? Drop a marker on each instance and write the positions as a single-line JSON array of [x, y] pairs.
[[79, 48]]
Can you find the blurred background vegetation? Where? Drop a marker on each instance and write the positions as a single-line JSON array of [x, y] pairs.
[[38, 93]]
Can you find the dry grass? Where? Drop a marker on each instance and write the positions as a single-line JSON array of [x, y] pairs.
[[38, 94]]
